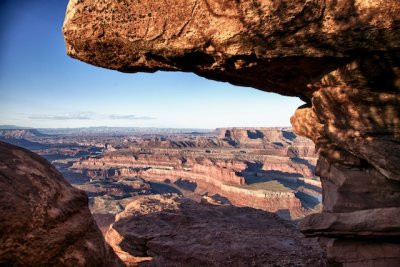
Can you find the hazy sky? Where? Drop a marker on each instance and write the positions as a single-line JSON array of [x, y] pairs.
[[41, 87]]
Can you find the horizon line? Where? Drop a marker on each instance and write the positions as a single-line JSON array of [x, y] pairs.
[[16, 127]]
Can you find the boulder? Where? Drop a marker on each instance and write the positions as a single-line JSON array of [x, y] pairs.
[[44, 220]]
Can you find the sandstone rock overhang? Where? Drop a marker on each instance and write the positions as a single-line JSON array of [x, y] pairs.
[[279, 46], [341, 57]]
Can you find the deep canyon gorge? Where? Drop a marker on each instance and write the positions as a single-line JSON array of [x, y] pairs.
[[342, 58], [267, 171], [214, 189]]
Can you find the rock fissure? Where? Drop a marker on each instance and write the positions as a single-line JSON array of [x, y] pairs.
[[189, 20]]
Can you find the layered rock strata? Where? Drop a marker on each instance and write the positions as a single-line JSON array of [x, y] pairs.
[[44, 220], [208, 177], [340, 57], [250, 167]]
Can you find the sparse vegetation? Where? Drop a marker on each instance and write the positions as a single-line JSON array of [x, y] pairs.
[[272, 185]]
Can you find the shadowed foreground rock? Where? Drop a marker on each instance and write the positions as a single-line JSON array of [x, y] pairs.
[[171, 231], [44, 220], [341, 57]]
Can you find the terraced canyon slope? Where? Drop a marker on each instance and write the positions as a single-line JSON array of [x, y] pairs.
[[269, 168], [340, 57]]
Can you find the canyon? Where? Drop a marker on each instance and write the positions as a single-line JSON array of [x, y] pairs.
[[268, 171], [265, 168], [186, 187], [340, 57]]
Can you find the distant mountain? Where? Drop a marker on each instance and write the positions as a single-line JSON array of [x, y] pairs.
[[20, 133], [13, 127], [101, 130]]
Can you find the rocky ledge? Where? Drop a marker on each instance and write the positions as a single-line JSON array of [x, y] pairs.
[[172, 231]]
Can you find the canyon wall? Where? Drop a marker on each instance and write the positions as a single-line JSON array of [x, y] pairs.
[[263, 168], [209, 176], [340, 57]]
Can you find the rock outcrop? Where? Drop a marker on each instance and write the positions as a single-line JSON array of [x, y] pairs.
[[44, 220], [340, 57], [172, 231]]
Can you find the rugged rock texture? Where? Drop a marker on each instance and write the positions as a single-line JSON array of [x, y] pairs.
[[288, 44], [44, 220], [341, 57], [171, 231]]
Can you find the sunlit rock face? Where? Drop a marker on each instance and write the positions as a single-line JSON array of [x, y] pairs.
[[44, 220], [341, 57]]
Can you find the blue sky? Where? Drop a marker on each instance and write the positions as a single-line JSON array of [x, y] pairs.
[[41, 87]]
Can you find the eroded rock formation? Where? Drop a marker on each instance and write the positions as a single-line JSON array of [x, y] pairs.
[[257, 168], [44, 220], [340, 57]]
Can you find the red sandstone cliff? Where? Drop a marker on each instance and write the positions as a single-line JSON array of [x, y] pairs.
[[212, 176]]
